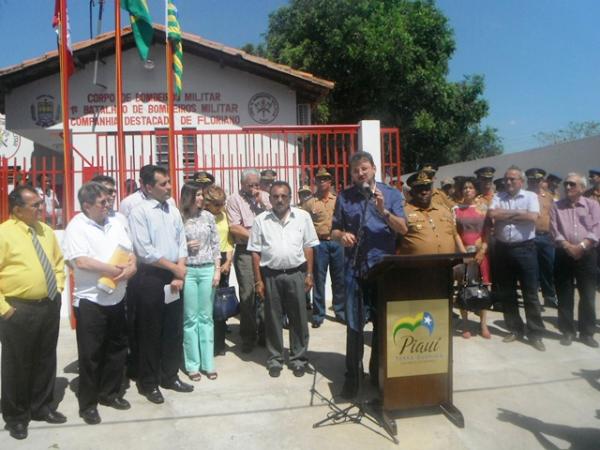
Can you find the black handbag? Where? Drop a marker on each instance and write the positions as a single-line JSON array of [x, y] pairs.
[[226, 303], [473, 295]]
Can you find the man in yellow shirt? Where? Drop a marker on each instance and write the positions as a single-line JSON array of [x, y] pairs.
[[31, 279]]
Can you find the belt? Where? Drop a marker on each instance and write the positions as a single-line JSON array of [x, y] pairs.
[[542, 233], [199, 265], [269, 271], [516, 244], [23, 300]]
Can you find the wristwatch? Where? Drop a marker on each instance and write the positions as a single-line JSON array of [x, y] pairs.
[[582, 245]]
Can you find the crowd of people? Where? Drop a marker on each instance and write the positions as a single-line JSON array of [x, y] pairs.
[[145, 276]]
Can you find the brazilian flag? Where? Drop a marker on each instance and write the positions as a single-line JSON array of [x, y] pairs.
[[174, 35], [141, 24]]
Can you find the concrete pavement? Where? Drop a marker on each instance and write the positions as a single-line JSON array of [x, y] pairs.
[[512, 397]]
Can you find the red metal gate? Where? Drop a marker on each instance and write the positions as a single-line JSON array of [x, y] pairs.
[[294, 152]]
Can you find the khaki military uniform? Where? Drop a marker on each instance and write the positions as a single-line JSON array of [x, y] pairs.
[[321, 212], [430, 231], [546, 200], [485, 198], [440, 199]]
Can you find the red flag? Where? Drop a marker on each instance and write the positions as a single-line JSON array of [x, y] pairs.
[[55, 23]]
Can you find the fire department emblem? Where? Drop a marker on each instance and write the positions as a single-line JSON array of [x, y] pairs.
[[263, 108], [44, 111], [9, 141]]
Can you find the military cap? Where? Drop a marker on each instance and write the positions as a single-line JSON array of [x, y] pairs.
[[323, 173], [203, 177], [485, 172], [499, 183], [593, 172], [459, 179], [421, 178], [429, 168], [535, 173], [268, 175], [447, 182], [305, 189], [553, 177]]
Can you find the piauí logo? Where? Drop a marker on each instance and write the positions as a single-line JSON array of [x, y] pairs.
[[422, 319]]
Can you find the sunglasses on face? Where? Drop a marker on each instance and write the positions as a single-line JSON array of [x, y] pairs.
[[569, 184], [511, 179]]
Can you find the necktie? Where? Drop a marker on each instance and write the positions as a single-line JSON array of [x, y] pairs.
[[46, 266]]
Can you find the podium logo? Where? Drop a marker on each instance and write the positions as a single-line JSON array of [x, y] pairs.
[[411, 341], [422, 319]]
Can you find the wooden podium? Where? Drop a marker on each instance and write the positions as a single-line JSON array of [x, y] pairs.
[[415, 332]]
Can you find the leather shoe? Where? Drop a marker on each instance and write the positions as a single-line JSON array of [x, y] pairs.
[[316, 324], [178, 386], [538, 345], [90, 416], [274, 372], [117, 403], [589, 341], [153, 395], [51, 417], [566, 340], [299, 371], [511, 337], [17, 430]]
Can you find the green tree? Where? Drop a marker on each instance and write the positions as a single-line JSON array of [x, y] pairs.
[[573, 131], [389, 59]]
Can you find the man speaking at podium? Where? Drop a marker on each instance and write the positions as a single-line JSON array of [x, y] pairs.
[[367, 217]]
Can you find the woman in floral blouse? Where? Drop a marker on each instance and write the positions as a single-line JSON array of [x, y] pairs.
[[203, 275]]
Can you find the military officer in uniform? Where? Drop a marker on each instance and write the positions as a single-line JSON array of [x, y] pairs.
[[485, 185], [431, 227], [553, 182], [267, 177], [594, 191], [203, 178], [438, 197]]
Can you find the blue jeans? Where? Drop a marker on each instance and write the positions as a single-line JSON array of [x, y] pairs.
[[518, 262], [198, 332], [545, 256], [329, 254]]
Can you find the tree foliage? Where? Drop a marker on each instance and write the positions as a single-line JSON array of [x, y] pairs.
[[389, 60], [573, 131]]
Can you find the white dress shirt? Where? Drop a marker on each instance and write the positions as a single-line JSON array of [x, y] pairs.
[[281, 243]]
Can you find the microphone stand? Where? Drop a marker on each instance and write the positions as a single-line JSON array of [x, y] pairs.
[[372, 410]]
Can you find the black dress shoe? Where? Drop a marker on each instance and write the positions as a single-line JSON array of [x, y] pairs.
[[299, 371], [316, 324], [51, 417], [566, 340], [90, 416], [153, 395], [274, 372], [589, 341], [17, 430], [178, 386], [117, 403]]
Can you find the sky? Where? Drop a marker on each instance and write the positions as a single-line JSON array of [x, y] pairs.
[[540, 58]]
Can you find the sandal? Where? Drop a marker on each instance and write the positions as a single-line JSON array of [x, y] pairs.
[[195, 376], [212, 375]]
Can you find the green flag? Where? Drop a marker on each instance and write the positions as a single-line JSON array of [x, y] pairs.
[[174, 35], [141, 24]]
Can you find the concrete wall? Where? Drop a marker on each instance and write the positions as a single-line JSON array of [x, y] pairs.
[[574, 156]]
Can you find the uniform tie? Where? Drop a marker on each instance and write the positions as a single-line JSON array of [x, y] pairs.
[[46, 266]]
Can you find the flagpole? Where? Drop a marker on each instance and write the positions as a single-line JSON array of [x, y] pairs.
[[119, 96], [171, 112], [64, 94]]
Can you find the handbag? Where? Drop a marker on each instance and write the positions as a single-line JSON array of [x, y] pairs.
[[473, 295], [226, 303]]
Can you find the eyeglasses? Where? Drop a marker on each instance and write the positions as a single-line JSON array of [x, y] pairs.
[[511, 179], [569, 184], [111, 191]]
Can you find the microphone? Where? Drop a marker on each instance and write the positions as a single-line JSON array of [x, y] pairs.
[[366, 190]]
